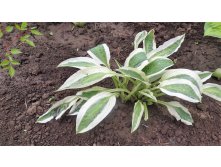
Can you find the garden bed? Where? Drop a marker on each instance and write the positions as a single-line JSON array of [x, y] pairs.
[[30, 93]]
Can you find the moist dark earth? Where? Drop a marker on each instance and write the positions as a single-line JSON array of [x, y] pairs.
[[32, 91]]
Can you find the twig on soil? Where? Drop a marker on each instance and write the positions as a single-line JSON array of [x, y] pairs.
[[145, 125], [26, 106], [2, 98]]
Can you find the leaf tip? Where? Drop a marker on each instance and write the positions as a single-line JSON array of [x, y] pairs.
[[132, 130]]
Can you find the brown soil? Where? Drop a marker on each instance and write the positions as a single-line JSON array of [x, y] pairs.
[[31, 92]]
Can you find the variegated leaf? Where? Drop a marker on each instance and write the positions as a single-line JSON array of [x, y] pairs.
[[134, 73], [149, 42], [86, 77], [136, 59], [94, 111], [79, 62], [137, 115], [179, 112], [85, 94], [183, 74], [58, 109], [88, 93], [204, 75], [76, 107], [157, 66], [139, 38], [101, 54], [148, 93], [181, 88], [168, 48], [212, 90]]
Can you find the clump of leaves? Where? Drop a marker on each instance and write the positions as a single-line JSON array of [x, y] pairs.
[[212, 29], [143, 79], [12, 36]]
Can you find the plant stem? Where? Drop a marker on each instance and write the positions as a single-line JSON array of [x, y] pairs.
[[132, 92], [115, 81], [161, 102], [155, 83], [159, 94], [120, 90]]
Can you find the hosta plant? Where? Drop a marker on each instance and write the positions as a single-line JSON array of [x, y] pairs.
[[143, 79], [12, 36]]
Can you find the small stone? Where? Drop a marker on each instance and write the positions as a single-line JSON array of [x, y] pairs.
[[39, 110], [3, 92], [170, 133], [202, 139], [49, 83], [20, 117], [178, 132], [11, 123], [45, 96], [32, 110], [166, 37], [124, 114], [115, 44], [18, 127], [197, 125], [214, 137], [35, 71], [164, 130], [15, 137], [39, 55], [178, 140], [201, 107], [203, 116], [27, 127]]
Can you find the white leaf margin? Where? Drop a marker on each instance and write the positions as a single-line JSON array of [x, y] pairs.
[[161, 71], [173, 112], [141, 73], [93, 100], [209, 85], [142, 35], [79, 59], [154, 41], [167, 44], [139, 116], [182, 96], [148, 93], [203, 72], [132, 54], [107, 54], [85, 72], [175, 72]]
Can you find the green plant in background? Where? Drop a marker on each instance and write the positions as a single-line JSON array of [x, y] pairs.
[[212, 29], [79, 24], [217, 73], [143, 79], [12, 36]]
